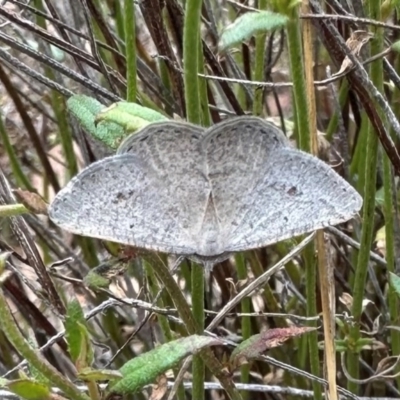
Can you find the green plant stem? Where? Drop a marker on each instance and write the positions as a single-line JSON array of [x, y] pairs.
[[259, 73], [368, 215], [165, 327], [205, 111], [20, 178], [130, 50], [165, 78], [59, 106], [324, 272], [333, 123], [390, 244], [198, 313], [97, 27], [120, 19], [191, 44], [303, 129], [259, 66], [363, 255], [238, 58], [190, 323], [14, 335], [12, 210], [357, 165], [49, 175], [93, 390], [245, 321], [311, 296], [298, 77], [154, 288], [390, 253]]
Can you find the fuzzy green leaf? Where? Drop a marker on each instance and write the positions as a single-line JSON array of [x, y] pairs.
[[111, 124], [146, 368], [34, 373], [395, 282], [130, 116], [85, 110], [77, 335], [28, 389], [250, 24], [85, 357]]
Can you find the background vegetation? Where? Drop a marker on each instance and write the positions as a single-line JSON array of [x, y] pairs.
[[170, 56]]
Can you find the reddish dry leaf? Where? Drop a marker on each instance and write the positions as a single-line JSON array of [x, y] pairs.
[[256, 345]]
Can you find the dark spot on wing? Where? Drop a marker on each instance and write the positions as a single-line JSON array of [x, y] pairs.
[[323, 201], [120, 197], [292, 191]]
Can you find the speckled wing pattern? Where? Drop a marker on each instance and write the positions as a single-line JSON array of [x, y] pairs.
[[177, 188], [265, 191], [140, 197]]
